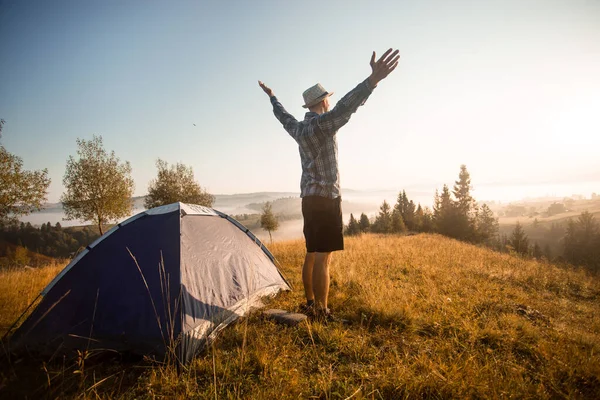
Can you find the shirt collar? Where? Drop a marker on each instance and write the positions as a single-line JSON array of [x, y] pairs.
[[310, 115]]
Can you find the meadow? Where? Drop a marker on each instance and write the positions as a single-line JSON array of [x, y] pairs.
[[429, 317]]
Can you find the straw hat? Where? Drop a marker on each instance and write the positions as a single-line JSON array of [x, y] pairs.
[[314, 95]]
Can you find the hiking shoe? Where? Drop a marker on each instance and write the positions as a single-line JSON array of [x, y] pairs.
[[325, 316], [306, 308]]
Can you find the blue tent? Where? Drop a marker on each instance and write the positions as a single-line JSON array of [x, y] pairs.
[[167, 279]]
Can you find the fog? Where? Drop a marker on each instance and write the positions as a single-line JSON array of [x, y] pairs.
[[354, 201]]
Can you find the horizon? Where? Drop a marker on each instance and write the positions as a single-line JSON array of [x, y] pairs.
[[507, 88]]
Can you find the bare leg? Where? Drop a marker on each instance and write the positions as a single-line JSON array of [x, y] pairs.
[[320, 279], [307, 276]]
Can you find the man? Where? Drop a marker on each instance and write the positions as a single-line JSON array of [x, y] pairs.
[[320, 182]]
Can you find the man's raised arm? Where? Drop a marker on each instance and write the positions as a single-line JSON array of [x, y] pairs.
[[330, 122], [287, 120]]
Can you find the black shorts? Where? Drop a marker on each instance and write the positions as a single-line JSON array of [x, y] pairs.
[[323, 226]]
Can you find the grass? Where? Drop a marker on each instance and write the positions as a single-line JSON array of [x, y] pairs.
[[430, 317]]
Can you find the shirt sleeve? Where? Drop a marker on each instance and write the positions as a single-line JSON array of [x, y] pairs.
[[330, 122], [287, 120]]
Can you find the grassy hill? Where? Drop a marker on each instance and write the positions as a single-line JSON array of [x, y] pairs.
[[430, 317]]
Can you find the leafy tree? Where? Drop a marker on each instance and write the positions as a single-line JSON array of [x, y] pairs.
[[21, 256], [383, 221], [176, 183], [268, 221], [486, 224], [21, 192], [353, 227], [364, 224], [98, 186], [519, 240]]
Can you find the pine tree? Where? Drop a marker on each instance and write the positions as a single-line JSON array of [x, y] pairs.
[[444, 213], [398, 225], [486, 224], [365, 224], [536, 251], [383, 222], [519, 240], [428, 225], [582, 241], [464, 206], [419, 217], [353, 227], [548, 252]]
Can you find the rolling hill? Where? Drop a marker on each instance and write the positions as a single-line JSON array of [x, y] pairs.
[[429, 317]]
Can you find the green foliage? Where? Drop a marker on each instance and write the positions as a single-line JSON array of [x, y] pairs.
[[21, 191], [582, 241], [353, 227], [268, 221], [21, 256], [383, 221], [364, 224], [52, 241], [486, 225], [464, 207], [398, 225], [444, 213], [98, 186], [519, 241], [176, 184]]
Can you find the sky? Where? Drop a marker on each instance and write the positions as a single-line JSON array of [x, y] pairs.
[[509, 88]]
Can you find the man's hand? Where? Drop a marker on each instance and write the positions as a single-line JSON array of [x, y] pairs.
[[384, 66], [266, 89]]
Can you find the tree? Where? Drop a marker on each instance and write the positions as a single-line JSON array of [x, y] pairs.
[[443, 213], [582, 241], [21, 192], [398, 225], [406, 210], [364, 224], [383, 221], [98, 186], [486, 225], [21, 256], [536, 252], [464, 206], [519, 240], [176, 183], [268, 221], [353, 227]]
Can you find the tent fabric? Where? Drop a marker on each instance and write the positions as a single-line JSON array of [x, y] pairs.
[[169, 277]]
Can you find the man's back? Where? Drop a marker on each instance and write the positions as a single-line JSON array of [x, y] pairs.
[[317, 142]]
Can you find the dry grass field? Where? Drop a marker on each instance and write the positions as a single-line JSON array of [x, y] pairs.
[[430, 317]]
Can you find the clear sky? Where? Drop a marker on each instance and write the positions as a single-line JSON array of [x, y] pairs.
[[509, 88]]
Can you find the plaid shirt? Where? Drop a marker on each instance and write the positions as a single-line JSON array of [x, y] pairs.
[[316, 138]]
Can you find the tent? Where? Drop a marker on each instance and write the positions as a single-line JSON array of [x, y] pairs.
[[164, 281]]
